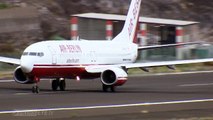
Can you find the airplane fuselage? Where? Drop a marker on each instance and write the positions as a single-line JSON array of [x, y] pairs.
[[68, 59]]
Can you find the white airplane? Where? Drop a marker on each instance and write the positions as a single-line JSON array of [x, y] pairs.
[[108, 60]]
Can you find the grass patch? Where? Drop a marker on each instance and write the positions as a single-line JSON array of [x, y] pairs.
[[179, 68], [6, 75], [3, 6], [6, 71]]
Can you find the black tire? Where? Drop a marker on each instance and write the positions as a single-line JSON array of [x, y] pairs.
[[112, 88], [55, 84], [105, 88], [35, 89], [62, 85]]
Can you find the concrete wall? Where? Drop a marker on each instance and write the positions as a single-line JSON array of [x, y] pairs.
[[91, 29]]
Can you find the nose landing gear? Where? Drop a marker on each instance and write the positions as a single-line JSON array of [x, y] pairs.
[[35, 88]]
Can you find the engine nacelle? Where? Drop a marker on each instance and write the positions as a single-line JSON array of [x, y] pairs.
[[20, 77], [114, 76]]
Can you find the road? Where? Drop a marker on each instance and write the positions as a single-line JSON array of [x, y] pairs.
[[156, 97]]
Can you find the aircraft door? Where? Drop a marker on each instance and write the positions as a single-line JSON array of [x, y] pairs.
[[93, 56], [53, 55], [54, 59]]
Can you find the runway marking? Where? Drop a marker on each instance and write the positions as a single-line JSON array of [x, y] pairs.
[[6, 81], [194, 85], [24, 93], [176, 73], [106, 106]]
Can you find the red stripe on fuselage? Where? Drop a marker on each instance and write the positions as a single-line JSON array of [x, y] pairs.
[[61, 71]]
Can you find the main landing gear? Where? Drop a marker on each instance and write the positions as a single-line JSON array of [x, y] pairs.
[[59, 82], [108, 87], [35, 89]]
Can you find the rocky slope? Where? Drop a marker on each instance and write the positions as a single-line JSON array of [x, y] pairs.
[[195, 10], [55, 14]]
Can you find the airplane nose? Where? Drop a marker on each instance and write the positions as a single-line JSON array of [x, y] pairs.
[[26, 65]]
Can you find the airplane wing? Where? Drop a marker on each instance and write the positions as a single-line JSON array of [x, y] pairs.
[[13, 61], [101, 68], [167, 45], [167, 63]]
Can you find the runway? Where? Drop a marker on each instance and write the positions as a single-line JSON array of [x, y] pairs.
[[142, 97]]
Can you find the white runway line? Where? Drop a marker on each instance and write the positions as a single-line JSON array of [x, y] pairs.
[[176, 73], [26, 93], [6, 81], [106, 106], [195, 85]]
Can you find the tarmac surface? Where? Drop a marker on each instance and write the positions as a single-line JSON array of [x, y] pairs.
[[157, 97]]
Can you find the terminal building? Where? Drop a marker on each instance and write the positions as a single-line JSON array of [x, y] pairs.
[[151, 31]]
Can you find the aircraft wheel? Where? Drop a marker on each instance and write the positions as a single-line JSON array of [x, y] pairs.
[[35, 89], [62, 85], [112, 88], [105, 88], [55, 84]]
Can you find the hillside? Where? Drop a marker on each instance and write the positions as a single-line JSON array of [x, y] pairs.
[[55, 14]]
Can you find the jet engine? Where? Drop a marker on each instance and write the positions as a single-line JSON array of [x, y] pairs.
[[114, 77], [20, 77]]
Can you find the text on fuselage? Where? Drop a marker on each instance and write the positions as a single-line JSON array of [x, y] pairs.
[[70, 49]]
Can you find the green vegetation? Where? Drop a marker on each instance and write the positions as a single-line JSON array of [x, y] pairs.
[[6, 71], [3, 6], [6, 75], [57, 37], [179, 68]]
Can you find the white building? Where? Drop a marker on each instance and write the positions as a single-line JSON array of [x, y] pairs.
[[150, 30]]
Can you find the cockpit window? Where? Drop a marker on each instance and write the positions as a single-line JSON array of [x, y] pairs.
[[40, 54], [25, 53]]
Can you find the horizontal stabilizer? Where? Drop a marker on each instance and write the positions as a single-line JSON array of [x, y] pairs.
[[167, 45]]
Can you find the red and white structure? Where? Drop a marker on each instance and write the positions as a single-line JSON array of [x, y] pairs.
[[179, 39], [179, 34], [109, 29], [143, 32], [148, 34], [74, 28]]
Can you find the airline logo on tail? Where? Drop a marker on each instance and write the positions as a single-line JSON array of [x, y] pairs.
[[134, 17], [129, 30]]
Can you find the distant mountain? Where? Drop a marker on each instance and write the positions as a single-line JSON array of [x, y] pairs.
[[55, 14], [192, 10]]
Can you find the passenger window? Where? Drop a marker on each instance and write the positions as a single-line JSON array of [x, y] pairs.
[[33, 54]]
